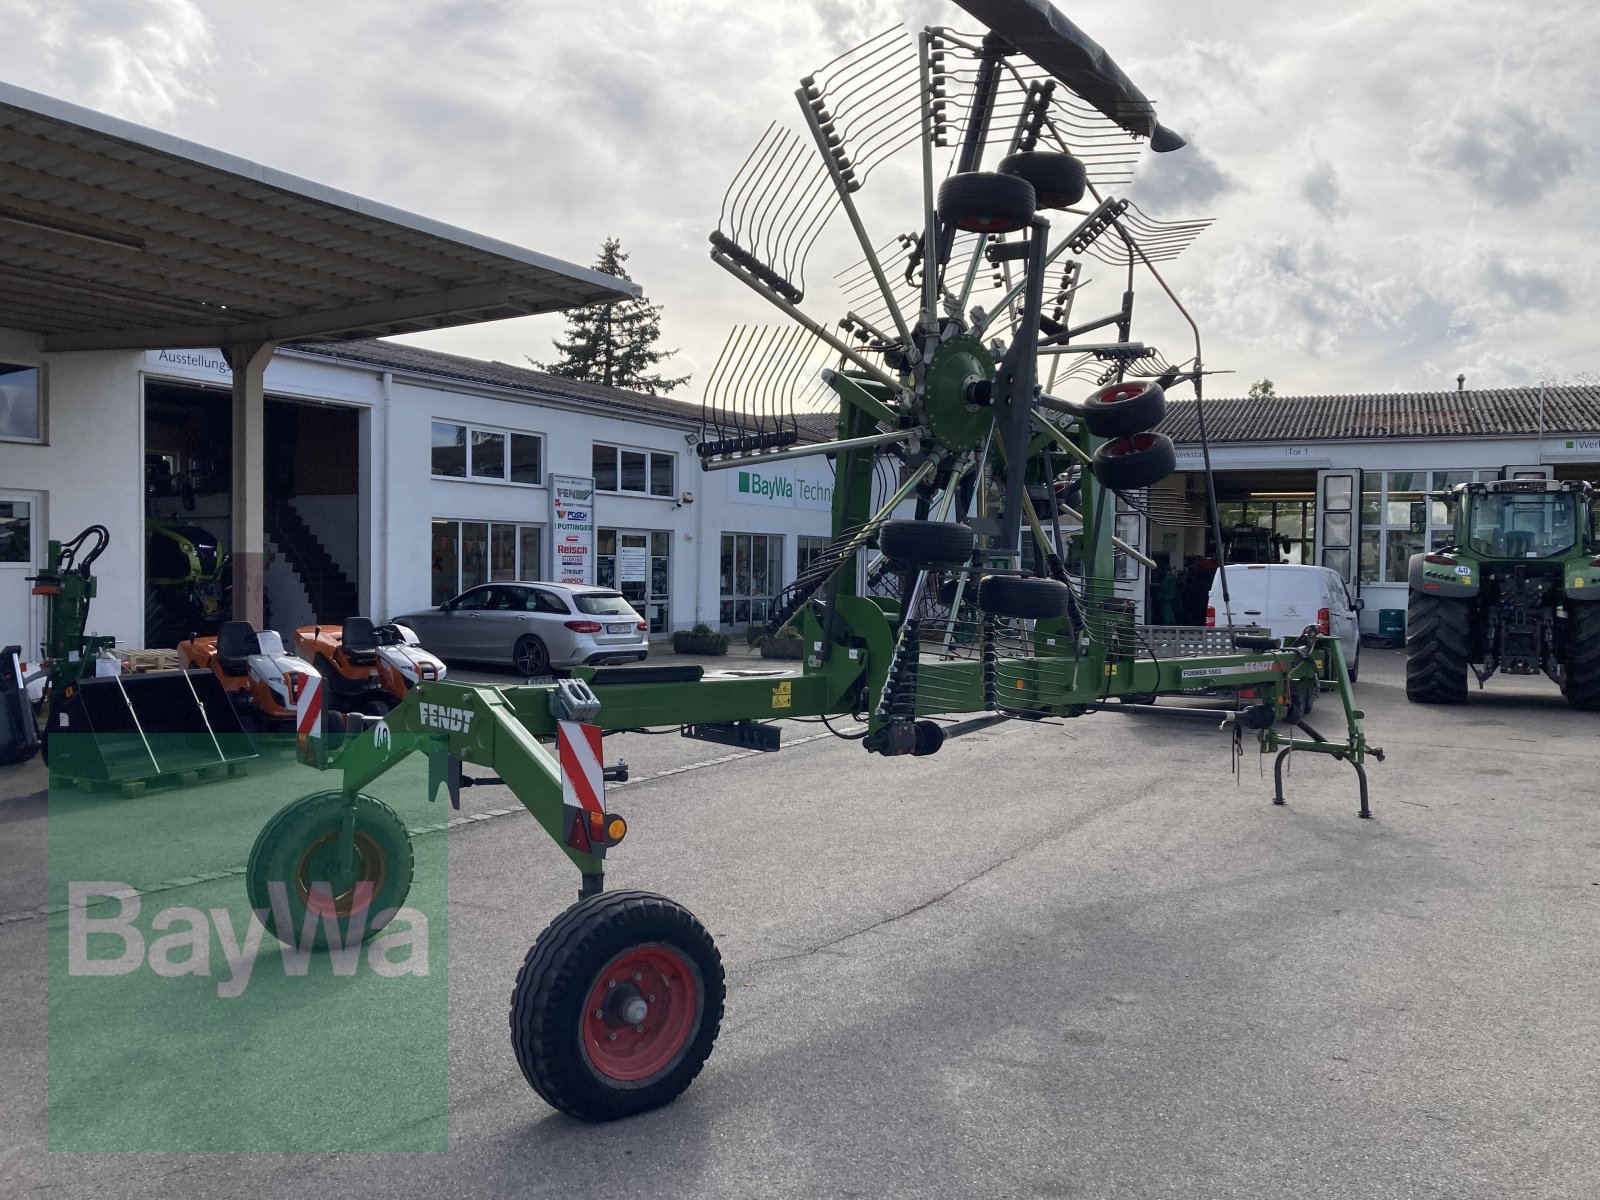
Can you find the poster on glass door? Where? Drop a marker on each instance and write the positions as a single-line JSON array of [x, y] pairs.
[[571, 529]]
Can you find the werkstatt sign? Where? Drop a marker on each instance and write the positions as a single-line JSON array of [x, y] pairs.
[[782, 486], [571, 529]]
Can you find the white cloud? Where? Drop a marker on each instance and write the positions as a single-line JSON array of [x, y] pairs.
[[1398, 187], [140, 59]]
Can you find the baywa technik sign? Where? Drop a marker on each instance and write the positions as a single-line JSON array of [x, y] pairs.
[[781, 486], [571, 529]]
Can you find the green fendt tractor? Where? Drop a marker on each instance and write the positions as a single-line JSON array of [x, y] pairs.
[[1517, 590]]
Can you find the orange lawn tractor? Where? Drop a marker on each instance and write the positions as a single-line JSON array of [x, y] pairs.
[[262, 679], [367, 668]]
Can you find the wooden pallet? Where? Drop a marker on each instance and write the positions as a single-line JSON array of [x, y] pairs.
[[129, 788], [137, 662]]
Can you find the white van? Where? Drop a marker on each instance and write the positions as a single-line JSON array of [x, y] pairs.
[[1286, 597]]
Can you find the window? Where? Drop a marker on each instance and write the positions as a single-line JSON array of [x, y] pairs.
[[21, 404], [807, 550], [1400, 516], [16, 531], [752, 575], [640, 472], [547, 602], [468, 553], [1288, 523], [487, 455]]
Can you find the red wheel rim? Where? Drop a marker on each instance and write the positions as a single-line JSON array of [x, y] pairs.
[[1117, 393], [1137, 444], [317, 865], [656, 984]]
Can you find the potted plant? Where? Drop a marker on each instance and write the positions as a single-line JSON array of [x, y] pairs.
[[786, 643], [702, 639]]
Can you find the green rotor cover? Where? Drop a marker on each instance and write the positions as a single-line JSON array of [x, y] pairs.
[[956, 363]]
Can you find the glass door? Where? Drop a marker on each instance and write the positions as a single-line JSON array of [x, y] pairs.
[[637, 563]]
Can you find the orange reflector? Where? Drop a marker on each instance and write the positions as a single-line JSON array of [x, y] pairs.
[[1019, 685], [597, 824], [616, 830]]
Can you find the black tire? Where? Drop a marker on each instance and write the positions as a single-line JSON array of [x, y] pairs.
[[1123, 409], [1583, 657], [1438, 641], [1129, 463], [530, 657], [296, 849], [986, 202], [1353, 668], [926, 543], [16, 755], [1059, 180], [377, 708], [555, 1031], [1026, 599]]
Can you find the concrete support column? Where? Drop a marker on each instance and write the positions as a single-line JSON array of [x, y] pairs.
[[249, 363]]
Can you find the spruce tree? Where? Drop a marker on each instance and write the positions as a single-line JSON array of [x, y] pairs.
[[614, 344]]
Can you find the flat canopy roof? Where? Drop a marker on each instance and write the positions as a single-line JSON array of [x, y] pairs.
[[114, 236]]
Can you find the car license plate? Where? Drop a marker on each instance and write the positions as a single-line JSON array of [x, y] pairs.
[[619, 627]]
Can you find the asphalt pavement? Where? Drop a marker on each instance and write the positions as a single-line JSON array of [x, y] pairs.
[[1076, 959]]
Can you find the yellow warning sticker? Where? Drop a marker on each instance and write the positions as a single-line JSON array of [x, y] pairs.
[[783, 694]]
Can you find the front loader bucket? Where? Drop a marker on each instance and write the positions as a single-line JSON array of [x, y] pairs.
[[131, 727]]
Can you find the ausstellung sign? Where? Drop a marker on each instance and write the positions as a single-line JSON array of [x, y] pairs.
[[208, 362], [571, 529], [782, 487]]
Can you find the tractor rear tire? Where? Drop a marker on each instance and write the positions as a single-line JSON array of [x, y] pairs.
[[1438, 645], [1123, 409], [1024, 599], [1583, 661], [987, 202], [926, 543], [617, 1006], [298, 848]]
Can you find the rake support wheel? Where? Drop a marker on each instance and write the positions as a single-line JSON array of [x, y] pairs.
[[617, 1006], [296, 869], [1024, 599], [1129, 463], [1059, 180], [987, 202], [1124, 409], [926, 543]]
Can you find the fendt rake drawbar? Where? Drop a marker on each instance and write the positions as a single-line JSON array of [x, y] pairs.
[[994, 602]]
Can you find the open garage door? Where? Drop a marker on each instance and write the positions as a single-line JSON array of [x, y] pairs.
[[1338, 494]]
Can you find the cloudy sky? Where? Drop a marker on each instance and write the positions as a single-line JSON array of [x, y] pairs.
[[1403, 190]]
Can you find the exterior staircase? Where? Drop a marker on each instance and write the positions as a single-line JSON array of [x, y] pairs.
[[333, 596]]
